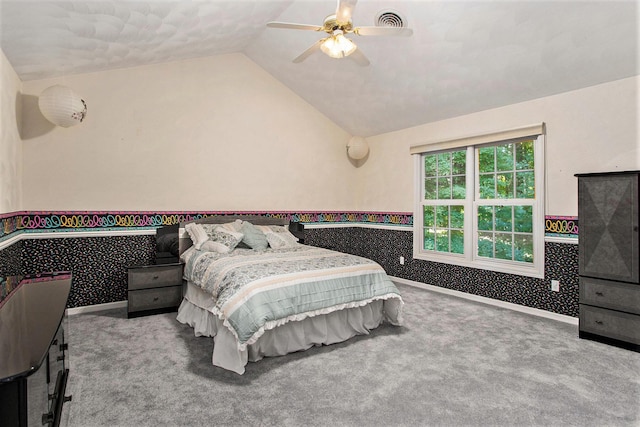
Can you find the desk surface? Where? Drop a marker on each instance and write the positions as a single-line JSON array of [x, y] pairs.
[[30, 313]]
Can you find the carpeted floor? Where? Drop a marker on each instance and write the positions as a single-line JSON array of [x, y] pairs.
[[454, 362]]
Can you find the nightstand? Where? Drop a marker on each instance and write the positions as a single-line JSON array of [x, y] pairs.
[[154, 289]]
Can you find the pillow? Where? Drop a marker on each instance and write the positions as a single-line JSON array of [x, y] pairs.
[[186, 255], [273, 228], [253, 236], [221, 240], [230, 226], [281, 240], [197, 233]]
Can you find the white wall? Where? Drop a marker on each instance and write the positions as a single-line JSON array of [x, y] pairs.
[[220, 133], [588, 130], [215, 133], [10, 144]]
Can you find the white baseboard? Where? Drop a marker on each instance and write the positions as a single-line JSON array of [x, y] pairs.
[[490, 301], [96, 307], [459, 294]]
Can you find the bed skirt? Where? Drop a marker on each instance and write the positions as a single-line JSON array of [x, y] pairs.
[[293, 336]]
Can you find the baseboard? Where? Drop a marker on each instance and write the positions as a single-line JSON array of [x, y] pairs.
[[459, 294], [96, 307], [490, 301]]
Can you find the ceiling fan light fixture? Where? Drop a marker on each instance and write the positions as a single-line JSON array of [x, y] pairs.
[[338, 46]]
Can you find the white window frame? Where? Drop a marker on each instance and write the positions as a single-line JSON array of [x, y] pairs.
[[472, 201]]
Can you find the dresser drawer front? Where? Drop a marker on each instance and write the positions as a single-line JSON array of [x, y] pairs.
[[608, 294], [610, 323], [150, 299], [155, 276]]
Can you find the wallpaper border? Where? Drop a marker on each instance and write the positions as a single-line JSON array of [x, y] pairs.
[[561, 226], [54, 221]]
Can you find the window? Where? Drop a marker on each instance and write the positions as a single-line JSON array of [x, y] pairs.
[[479, 202], [444, 201]]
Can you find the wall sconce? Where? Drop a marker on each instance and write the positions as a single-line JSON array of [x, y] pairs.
[[357, 148], [62, 106]]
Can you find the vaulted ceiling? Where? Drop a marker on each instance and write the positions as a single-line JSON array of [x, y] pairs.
[[463, 56]]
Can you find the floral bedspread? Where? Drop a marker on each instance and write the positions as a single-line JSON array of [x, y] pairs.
[[258, 290]]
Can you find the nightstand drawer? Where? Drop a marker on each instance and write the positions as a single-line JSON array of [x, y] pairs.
[[155, 276], [610, 323], [152, 299], [609, 294]]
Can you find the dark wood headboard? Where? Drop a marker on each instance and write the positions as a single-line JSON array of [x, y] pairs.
[[184, 241]]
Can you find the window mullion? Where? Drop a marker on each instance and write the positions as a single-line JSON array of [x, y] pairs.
[[469, 209], [418, 201]]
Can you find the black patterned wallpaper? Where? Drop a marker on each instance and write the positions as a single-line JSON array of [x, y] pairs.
[[386, 247], [11, 260], [99, 266]]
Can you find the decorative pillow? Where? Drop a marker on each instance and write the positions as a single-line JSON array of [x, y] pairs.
[[197, 233], [253, 236], [209, 228], [289, 235], [221, 240], [230, 226], [186, 255], [273, 228], [233, 226], [281, 240]]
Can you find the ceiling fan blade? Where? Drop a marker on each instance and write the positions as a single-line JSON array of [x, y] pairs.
[[304, 55], [344, 10], [383, 31], [359, 57], [291, 26]]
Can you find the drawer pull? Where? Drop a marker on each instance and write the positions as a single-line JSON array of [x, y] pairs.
[[599, 322], [600, 294], [155, 299], [47, 418], [155, 277]]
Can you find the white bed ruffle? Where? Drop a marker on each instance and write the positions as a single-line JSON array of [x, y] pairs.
[[330, 328]]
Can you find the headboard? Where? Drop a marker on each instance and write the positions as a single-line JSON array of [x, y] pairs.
[[184, 241]]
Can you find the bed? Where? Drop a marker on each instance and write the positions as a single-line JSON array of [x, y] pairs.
[[258, 293]]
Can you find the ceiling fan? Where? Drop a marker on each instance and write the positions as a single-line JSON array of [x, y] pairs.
[[337, 26]]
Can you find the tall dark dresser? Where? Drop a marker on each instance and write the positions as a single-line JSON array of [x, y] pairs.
[[609, 248]]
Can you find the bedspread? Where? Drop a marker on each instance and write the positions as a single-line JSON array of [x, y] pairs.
[[256, 291]]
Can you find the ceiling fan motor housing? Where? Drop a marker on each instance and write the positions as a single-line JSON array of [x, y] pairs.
[[331, 24]]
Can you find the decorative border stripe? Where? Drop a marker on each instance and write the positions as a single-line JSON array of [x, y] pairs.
[[36, 221], [561, 226], [75, 220]]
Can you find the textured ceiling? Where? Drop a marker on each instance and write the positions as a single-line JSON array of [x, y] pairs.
[[464, 56]]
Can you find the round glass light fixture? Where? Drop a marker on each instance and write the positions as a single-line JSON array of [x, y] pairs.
[[338, 46], [62, 106], [357, 148]]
